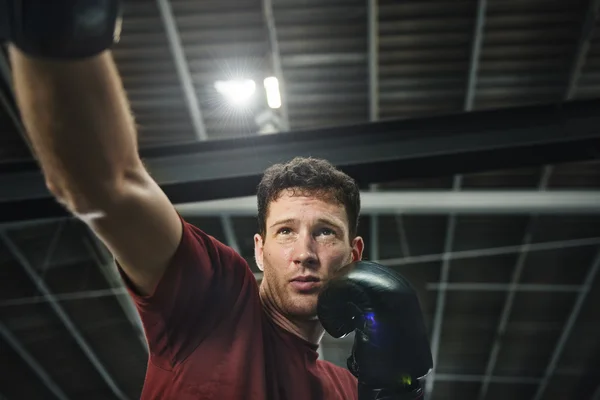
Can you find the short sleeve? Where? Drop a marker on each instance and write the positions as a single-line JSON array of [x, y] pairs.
[[202, 283]]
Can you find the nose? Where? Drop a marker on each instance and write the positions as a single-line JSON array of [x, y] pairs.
[[305, 254]]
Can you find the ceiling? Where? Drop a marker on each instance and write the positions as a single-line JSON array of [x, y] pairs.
[[509, 299]]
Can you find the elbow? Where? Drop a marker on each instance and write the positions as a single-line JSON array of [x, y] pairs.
[[91, 197], [82, 203]]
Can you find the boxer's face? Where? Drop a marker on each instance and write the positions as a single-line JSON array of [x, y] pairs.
[[306, 242]]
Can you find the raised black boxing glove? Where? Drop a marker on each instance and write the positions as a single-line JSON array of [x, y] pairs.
[[60, 29], [391, 352]]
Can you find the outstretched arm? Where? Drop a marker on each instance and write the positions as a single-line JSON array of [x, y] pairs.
[[79, 122]]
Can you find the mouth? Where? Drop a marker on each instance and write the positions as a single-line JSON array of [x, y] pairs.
[[305, 284]]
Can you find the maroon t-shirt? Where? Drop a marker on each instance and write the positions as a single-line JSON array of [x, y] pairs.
[[210, 338]]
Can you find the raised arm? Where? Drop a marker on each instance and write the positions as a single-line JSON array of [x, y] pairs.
[[79, 122]]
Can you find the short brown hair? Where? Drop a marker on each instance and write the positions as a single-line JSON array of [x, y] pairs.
[[308, 176]]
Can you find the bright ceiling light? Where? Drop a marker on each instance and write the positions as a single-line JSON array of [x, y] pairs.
[[272, 89], [236, 91]]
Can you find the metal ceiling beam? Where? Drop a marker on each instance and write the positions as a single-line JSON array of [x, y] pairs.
[[509, 380], [404, 246], [433, 203], [183, 69], [491, 252], [373, 26], [7, 96], [596, 395], [569, 324], [106, 265], [475, 55], [373, 48], [276, 60], [230, 237], [86, 294], [374, 233], [583, 45], [445, 269], [62, 315], [501, 287], [381, 151], [456, 255], [455, 286], [35, 366], [438, 318], [510, 298]]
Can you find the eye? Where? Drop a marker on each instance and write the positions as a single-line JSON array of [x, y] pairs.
[[284, 231], [326, 231]]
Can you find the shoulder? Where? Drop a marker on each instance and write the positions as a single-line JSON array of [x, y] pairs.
[[196, 243], [339, 374]]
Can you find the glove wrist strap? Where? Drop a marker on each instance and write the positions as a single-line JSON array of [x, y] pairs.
[[61, 29]]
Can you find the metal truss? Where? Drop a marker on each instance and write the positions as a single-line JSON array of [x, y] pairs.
[[438, 318], [569, 324], [511, 288], [183, 69], [267, 7], [41, 286], [510, 297], [35, 366], [106, 265], [381, 151], [433, 202]]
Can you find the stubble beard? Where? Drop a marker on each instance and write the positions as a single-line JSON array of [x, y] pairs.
[[289, 303]]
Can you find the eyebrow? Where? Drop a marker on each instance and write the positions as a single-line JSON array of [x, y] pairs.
[[321, 220], [283, 221]]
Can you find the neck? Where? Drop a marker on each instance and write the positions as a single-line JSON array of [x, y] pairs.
[[310, 330]]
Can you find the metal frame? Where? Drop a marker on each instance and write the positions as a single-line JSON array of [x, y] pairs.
[[413, 261], [373, 26], [106, 265], [438, 318], [493, 251], [62, 315], [183, 69], [267, 6], [596, 395], [433, 202], [373, 48], [187, 83], [37, 369], [511, 288], [374, 232], [583, 45], [569, 324], [510, 297], [387, 150], [230, 236], [475, 55]]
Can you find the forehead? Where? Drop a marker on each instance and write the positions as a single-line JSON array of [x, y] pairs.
[[288, 205]]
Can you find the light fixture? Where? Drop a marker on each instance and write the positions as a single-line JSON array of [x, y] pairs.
[[272, 89], [236, 91]]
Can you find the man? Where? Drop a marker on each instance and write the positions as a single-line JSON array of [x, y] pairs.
[[212, 332]]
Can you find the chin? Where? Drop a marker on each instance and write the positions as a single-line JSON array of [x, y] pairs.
[[303, 307]]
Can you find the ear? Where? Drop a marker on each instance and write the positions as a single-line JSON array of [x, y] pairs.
[[258, 251], [358, 246]]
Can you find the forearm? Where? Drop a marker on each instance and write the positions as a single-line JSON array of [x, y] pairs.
[[78, 120]]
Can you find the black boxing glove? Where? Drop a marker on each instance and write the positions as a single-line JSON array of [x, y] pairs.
[[60, 29], [391, 352]]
